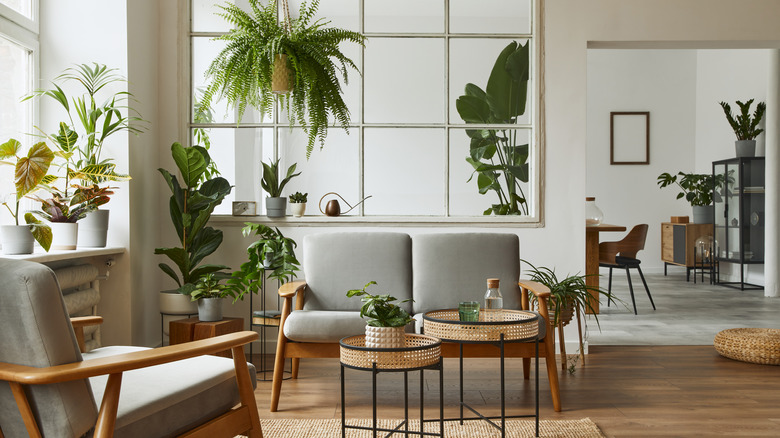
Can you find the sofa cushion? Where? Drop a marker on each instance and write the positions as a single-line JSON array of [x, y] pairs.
[[168, 399], [453, 267], [323, 325], [334, 263], [36, 332]]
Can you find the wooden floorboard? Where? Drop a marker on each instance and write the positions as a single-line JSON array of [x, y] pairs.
[[629, 391]]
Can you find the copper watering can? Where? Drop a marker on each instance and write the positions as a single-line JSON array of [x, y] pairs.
[[332, 208]]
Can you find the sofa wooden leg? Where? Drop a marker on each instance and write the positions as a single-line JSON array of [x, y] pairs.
[[296, 363], [526, 368]]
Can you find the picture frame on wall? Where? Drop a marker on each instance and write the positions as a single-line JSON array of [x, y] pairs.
[[629, 137]]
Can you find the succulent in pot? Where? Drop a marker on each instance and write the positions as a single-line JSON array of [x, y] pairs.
[[275, 204], [386, 320], [298, 203], [30, 172]]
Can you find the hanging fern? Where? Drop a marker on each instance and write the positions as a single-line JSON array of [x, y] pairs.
[[242, 71]]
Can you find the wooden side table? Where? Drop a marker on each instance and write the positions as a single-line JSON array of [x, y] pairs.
[[193, 329]]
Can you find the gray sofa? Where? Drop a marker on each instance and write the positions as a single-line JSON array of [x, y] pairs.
[[436, 271]]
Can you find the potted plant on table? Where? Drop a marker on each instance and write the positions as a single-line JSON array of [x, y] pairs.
[[191, 206], [275, 204], [30, 172], [209, 292], [500, 163], [745, 127], [386, 322], [306, 55], [298, 203], [697, 190], [99, 114]]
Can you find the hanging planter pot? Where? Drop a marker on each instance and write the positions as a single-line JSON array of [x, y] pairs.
[[16, 239], [281, 79], [93, 229], [64, 235]]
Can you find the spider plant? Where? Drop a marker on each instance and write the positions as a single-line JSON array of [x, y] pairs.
[[242, 72]]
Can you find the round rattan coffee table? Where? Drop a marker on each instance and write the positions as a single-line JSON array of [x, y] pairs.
[[513, 326], [419, 353]]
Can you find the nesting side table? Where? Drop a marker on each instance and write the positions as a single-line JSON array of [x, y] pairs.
[[514, 326], [420, 353]]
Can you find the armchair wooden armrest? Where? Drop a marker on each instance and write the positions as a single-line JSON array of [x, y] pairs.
[[290, 290], [540, 291], [78, 323], [124, 362]]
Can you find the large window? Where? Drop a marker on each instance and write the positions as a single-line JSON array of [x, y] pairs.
[[407, 144], [18, 48]]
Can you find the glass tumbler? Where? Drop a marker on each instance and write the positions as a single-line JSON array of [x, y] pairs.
[[468, 311]]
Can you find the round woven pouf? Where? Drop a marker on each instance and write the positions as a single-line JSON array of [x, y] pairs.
[[754, 345]]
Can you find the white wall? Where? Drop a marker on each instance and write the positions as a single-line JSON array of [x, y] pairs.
[[662, 82]]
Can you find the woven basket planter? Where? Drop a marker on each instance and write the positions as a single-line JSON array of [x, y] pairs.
[[754, 345], [281, 82]]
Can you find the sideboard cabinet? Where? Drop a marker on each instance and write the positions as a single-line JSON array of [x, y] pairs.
[[678, 241]]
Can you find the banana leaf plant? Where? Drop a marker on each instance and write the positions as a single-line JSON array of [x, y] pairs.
[[30, 172], [191, 206], [500, 163]]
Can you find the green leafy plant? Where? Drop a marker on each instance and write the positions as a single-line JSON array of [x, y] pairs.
[[273, 252], [270, 182], [696, 188], [64, 208], [745, 127], [299, 197], [380, 308], [191, 206], [30, 172], [242, 72], [570, 292], [500, 163], [210, 286], [98, 120]]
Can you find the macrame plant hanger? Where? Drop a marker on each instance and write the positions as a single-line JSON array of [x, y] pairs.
[[281, 79]]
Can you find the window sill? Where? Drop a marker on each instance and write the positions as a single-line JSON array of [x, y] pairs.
[[41, 256], [378, 221]]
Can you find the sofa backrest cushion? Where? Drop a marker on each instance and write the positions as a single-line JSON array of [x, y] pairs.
[[35, 331], [453, 267], [334, 263]]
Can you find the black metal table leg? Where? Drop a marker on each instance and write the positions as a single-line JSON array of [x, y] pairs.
[[461, 384], [441, 397], [503, 394], [343, 406], [406, 403], [373, 392]]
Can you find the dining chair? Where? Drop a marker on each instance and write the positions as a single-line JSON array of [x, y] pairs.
[[622, 255]]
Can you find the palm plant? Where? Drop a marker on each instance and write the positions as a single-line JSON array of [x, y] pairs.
[[242, 72]]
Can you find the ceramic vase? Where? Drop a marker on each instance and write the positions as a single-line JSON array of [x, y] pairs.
[[593, 214], [298, 208], [385, 337]]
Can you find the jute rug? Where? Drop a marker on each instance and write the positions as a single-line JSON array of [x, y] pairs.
[[330, 428]]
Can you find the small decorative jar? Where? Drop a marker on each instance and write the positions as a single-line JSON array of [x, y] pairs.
[[593, 214]]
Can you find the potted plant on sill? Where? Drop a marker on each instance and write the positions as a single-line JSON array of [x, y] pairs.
[[99, 114], [306, 54], [385, 327], [191, 206], [30, 172], [298, 203], [275, 204], [500, 163], [745, 127], [697, 190]]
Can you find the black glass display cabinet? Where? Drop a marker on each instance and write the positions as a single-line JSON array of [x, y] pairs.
[[739, 215]]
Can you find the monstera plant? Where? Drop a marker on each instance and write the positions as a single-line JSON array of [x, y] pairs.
[[500, 163]]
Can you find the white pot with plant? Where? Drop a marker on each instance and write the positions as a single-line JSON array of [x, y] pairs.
[[744, 126], [196, 239], [298, 203], [385, 327], [275, 204], [697, 190], [63, 210], [30, 172]]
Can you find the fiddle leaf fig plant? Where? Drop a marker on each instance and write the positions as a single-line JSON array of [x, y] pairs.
[[500, 162], [191, 204], [381, 309], [243, 71]]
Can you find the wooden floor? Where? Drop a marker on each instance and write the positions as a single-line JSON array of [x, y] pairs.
[[629, 391]]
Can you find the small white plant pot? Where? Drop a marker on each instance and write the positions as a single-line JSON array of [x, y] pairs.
[[385, 337], [65, 235], [16, 239], [93, 229], [298, 208], [210, 309]]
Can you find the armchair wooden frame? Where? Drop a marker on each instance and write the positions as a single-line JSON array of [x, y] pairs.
[[297, 350], [243, 419]]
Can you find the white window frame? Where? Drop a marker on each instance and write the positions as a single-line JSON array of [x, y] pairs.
[[536, 104], [24, 32]]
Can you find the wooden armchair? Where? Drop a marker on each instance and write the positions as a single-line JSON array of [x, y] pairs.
[[47, 389]]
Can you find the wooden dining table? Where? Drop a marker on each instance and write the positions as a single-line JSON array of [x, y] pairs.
[[592, 258]]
